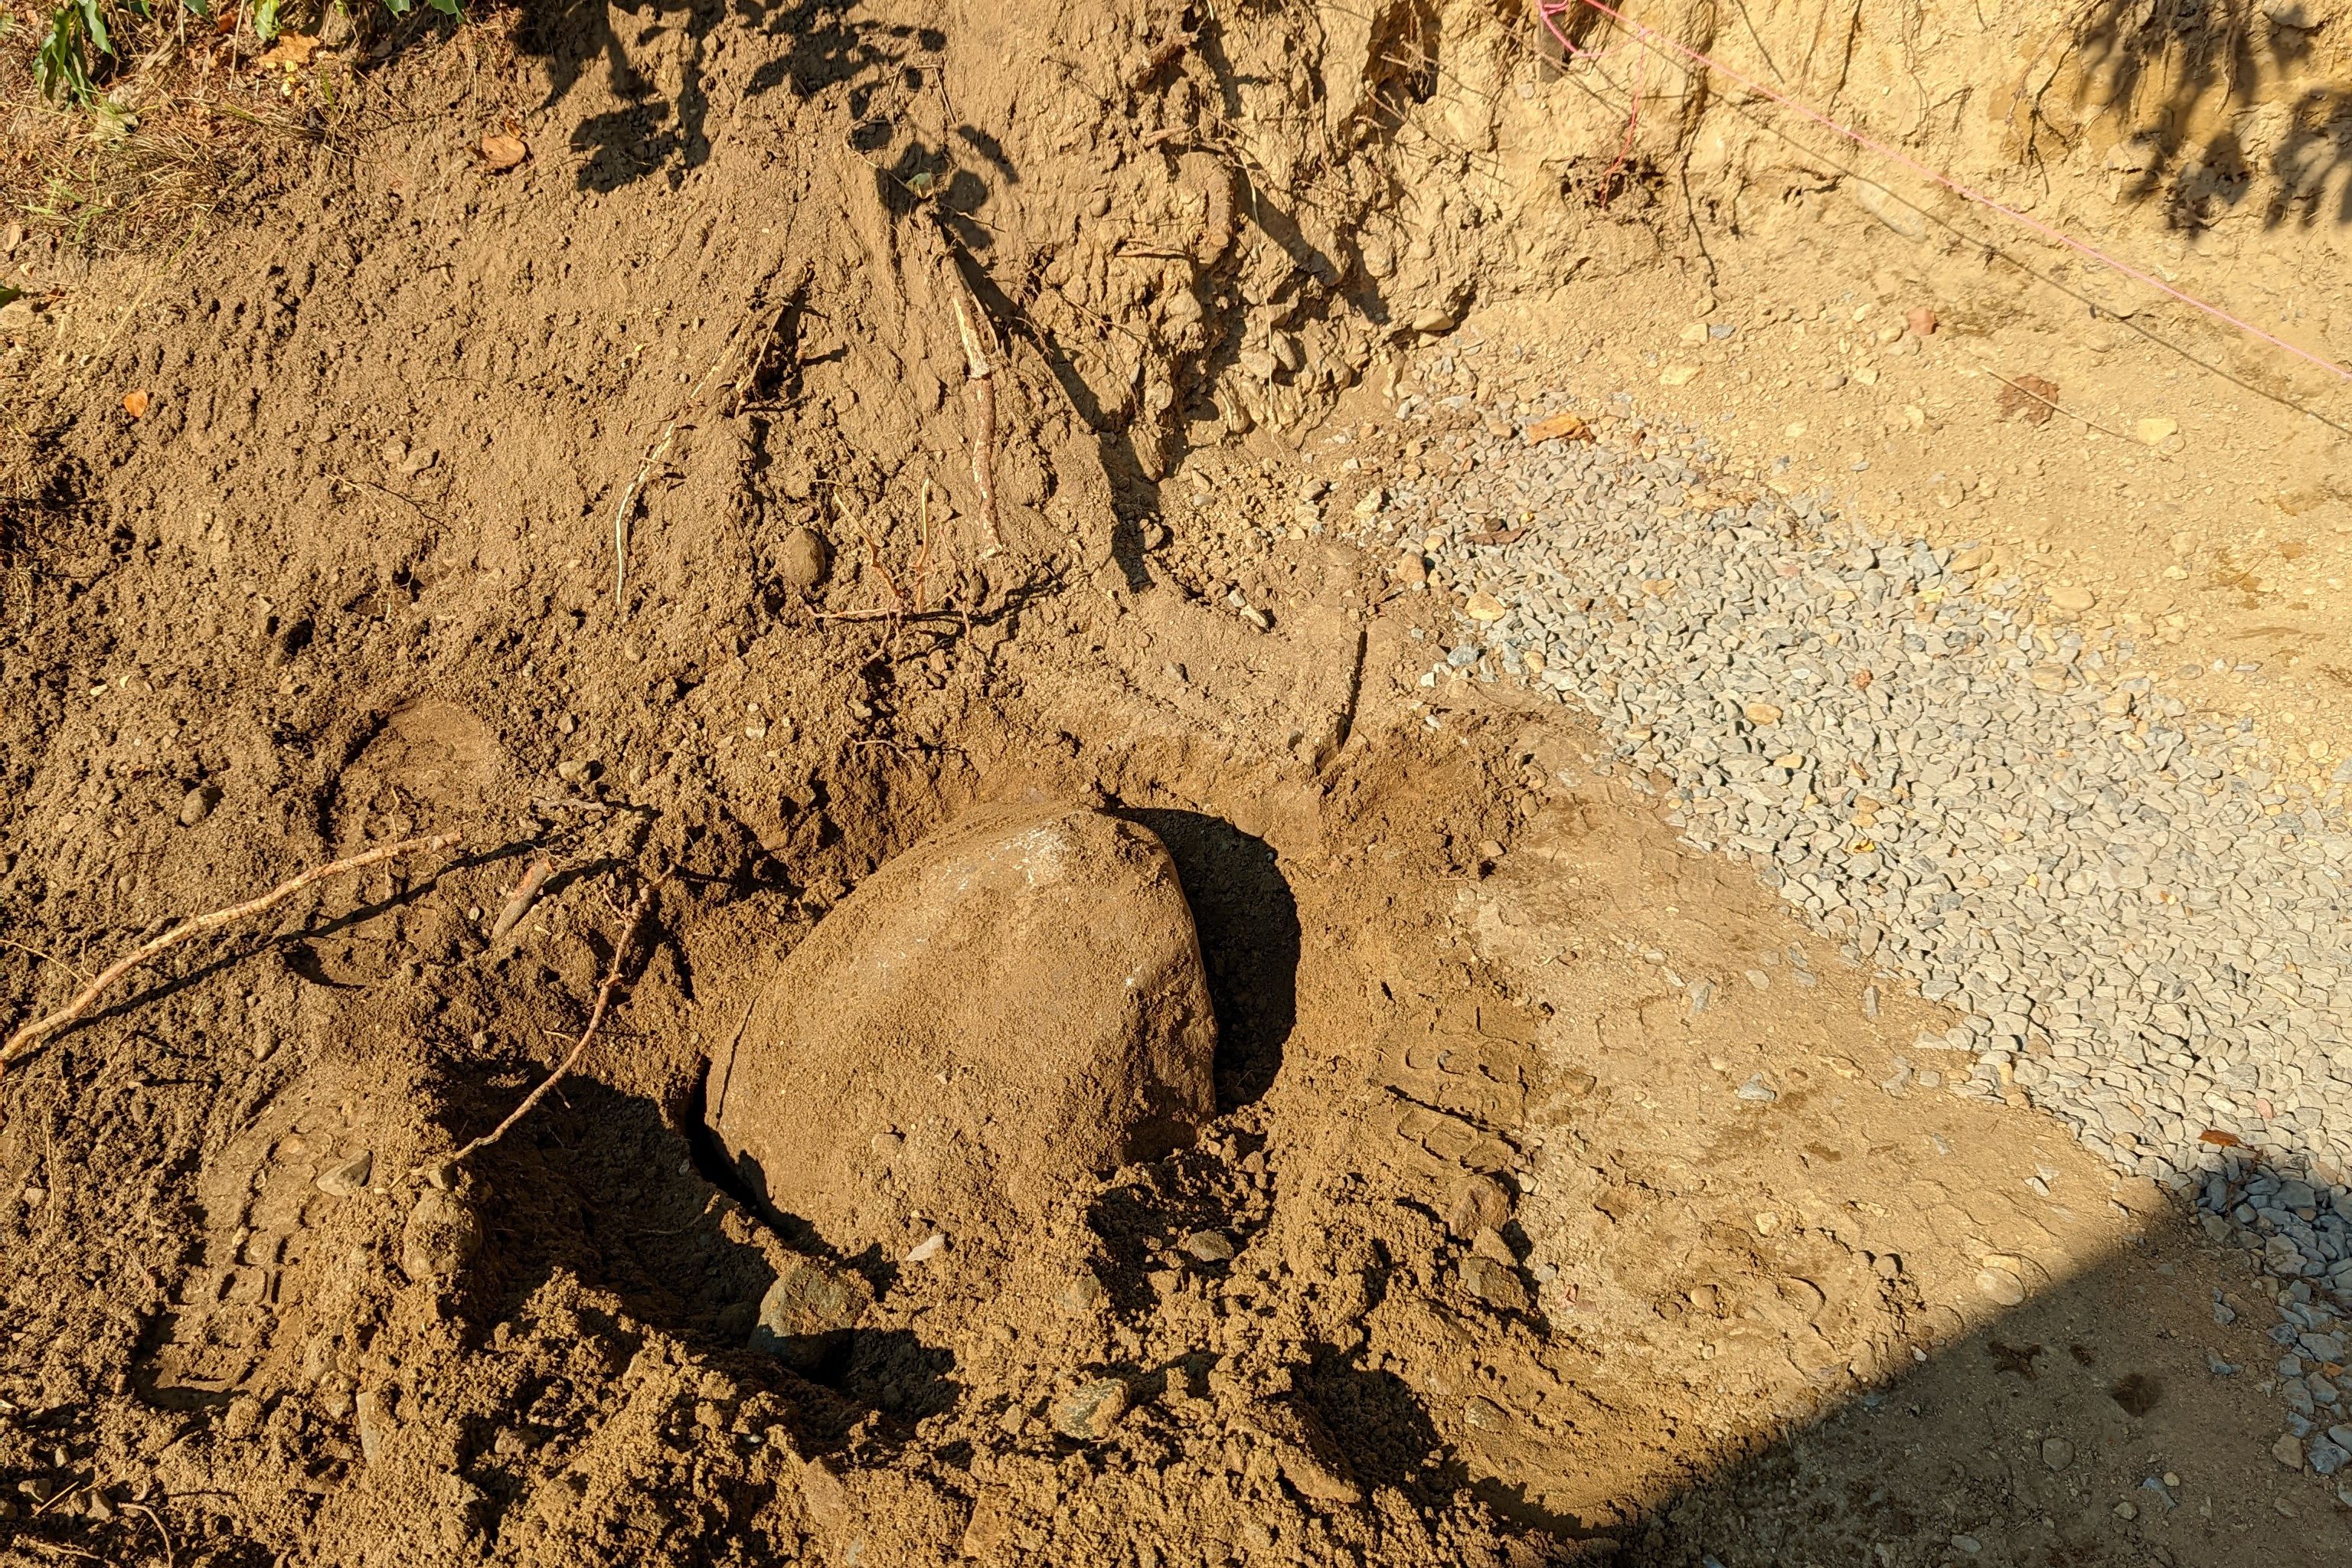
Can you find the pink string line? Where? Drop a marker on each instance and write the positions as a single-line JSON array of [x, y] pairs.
[[1550, 11]]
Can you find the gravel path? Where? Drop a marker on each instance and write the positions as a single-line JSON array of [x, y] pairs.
[[2142, 927]]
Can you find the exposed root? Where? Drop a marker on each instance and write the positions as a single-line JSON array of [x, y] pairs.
[[24, 1040], [621, 946], [979, 386]]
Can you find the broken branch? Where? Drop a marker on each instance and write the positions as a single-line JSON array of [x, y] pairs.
[[23, 1041]]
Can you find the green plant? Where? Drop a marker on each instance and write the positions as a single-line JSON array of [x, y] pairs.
[[65, 64]]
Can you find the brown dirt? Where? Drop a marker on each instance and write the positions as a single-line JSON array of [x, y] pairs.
[[1518, 1278]]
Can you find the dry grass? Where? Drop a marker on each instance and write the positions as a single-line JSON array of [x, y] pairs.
[[187, 122]]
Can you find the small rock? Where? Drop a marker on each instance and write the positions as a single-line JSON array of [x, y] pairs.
[[2288, 1451], [197, 804], [347, 1178], [2071, 600], [1083, 1296], [931, 1247], [1209, 1245], [2000, 1286], [1757, 1091], [1968, 1544], [2057, 1453], [1483, 606], [2156, 432], [806, 1315], [1411, 569], [2126, 1509], [803, 559], [1092, 1409], [1761, 712], [1678, 376], [1497, 1284], [1921, 321]]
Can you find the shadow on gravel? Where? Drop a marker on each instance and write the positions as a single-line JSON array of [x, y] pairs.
[[2111, 1419]]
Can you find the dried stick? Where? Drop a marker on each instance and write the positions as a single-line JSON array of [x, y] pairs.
[[595, 1019], [979, 386], [520, 901], [23, 1041], [654, 460]]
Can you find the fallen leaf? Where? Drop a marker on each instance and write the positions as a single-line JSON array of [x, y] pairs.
[[1559, 426], [2031, 395], [2219, 1139], [291, 51], [136, 404], [1921, 321], [1497, 536], [501, 151]]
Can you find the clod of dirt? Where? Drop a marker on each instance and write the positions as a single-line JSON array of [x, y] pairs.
[[1020, 1002], [803, 558], [440, 1239]]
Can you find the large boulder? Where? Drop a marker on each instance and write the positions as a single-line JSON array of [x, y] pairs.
[[1003, 1012]]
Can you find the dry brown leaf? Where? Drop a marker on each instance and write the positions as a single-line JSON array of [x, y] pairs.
[[1560, 426], [2219, 1139], [291, 51], [2031, 395], [136, 404], [501, 151]]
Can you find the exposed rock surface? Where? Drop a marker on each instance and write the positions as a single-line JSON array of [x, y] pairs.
[[998, 1013]]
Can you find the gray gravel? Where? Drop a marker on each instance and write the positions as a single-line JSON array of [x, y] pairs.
[[2141, 926]]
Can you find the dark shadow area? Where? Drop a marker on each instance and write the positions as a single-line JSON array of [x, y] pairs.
[[1248, 925], [2158, 66], [2112, 1418], [598, 1184]]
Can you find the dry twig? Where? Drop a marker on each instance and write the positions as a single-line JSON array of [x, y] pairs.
[[22, 1042], [654, 460], [520, 901], [621, 946], [155, 1518], [979, 386]]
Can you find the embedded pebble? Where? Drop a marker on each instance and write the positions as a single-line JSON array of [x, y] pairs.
[[346, 1178], [1966, 781]]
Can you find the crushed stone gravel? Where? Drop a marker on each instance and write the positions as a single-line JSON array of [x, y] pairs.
[[2140, 923]]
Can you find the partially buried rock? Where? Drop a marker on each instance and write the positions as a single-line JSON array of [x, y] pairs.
[[1497, 1284], [347, 1178], [1022, 997], [803, 558], [806, 1315], [1092, 1409]]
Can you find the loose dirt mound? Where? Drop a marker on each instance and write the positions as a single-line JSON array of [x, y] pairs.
[[498, 498], [992, 1018]]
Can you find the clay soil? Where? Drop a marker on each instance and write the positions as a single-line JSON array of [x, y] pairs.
[[431, 491]]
